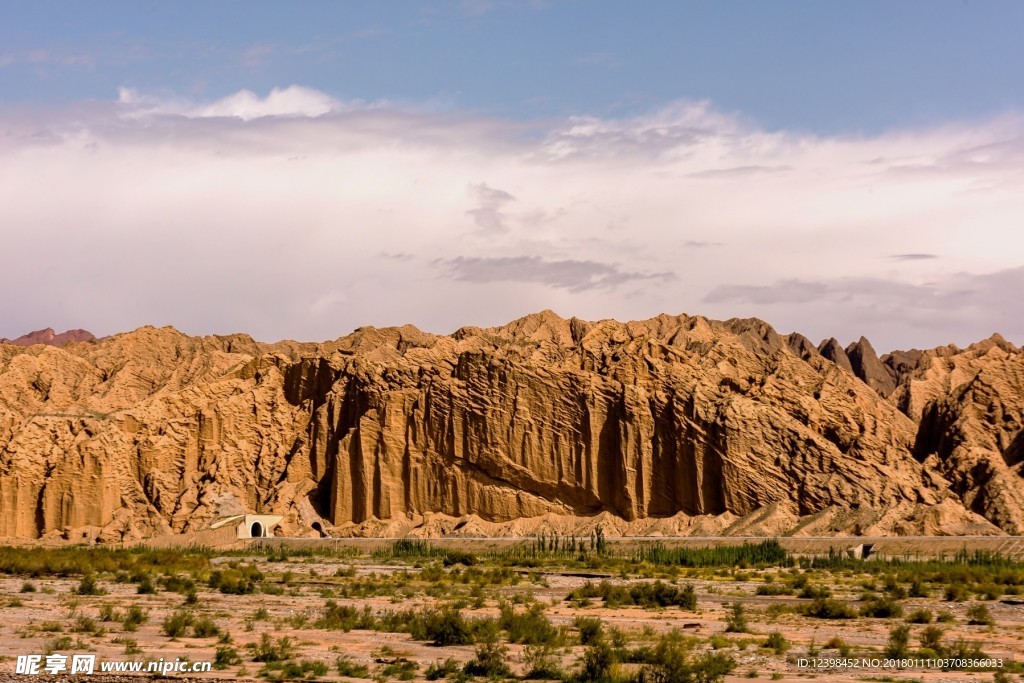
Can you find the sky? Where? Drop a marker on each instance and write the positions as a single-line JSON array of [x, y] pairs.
[[299, 170]]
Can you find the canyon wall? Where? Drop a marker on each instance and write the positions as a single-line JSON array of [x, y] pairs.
[[726, 426]]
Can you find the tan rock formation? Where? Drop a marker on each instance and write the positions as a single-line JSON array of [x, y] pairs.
[[672, 425], [971, 409]]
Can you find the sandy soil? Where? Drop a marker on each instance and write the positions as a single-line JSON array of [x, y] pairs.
[[34, 622]]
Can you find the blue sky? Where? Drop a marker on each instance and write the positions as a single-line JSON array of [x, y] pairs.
[[296, 170], [821, 66]]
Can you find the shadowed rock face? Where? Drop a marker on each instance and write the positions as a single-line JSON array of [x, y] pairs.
[[866, 365], [153, 431], [831, 350], [971, 404]]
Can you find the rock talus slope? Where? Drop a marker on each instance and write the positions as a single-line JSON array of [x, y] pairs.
[[670, 425]]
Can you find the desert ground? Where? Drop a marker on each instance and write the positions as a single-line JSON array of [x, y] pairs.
[[573, 609]]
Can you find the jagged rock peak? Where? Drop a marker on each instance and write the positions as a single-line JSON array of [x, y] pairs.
[[867, 366], [801, 346], [543, 326], [831, 349], [997, 341]]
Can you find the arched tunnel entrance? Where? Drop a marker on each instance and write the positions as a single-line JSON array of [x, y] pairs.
[[257, 531]]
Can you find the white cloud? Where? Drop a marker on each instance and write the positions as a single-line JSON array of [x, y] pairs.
[[244, 104], [298, 215]]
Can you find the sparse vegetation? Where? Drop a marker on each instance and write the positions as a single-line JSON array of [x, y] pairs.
[[175, 625], [89, 586], [920, 616], [448, 668], [446, 585], [737, 621], [345, 667], [978, 615], [824, 608], [674, 661], [269, 650], [899, 639], [777, 643], [656, 594]]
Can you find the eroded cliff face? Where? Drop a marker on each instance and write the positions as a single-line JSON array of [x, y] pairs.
[[972, 416], [676, 418]]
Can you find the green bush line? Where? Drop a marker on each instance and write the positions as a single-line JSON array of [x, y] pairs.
[[768, 552], [80, 560]]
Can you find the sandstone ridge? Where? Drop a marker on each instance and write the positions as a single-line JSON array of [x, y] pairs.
[[673, 425]]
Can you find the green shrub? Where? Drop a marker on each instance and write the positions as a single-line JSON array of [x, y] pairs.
[[825, 608], [931, 639], [108, 613], [175, 624], [347, 668], [84, 624], [737, 620], [591, 629], [899, 637], [178, 584], [718, 642], [674, 662], [402, 669], [241, 580], [921, 616], [447, 627], [89, 586], [134, 617], [542, 663], [337, 617], [955, 593], [226, 656], [978, 615], [269, 650], [28, 587], [893, 587], [292, 671], [881, 608], [453, 557], [656, 594], [961, 649], [437, 670], [777, 642], [813, 592], [205, 627], [837, 643], [597, 663], [990, 591], [531, 627], [58, 644]]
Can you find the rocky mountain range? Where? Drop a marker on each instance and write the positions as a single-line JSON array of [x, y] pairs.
[[50, 337], [673, 425]]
